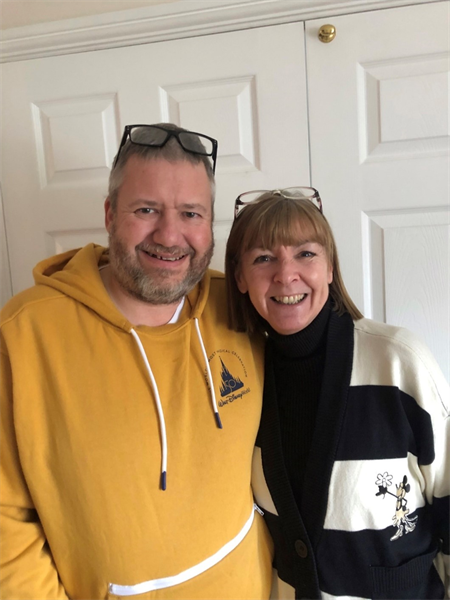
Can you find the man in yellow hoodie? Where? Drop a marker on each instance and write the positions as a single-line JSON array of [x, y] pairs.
[[129, 411]]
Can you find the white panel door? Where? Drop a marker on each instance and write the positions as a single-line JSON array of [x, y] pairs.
[[378, 102], [63, 117]]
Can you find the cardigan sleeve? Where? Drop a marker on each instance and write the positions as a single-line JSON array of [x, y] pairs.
[[441, 502], [396, 357], [433, 395]]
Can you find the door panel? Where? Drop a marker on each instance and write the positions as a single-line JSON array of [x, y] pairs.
[[378, 102], [63, 118]]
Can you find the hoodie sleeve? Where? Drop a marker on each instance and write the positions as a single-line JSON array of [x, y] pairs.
[[27, 570]]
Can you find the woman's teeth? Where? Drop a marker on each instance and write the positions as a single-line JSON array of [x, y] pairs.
[[289, 299]]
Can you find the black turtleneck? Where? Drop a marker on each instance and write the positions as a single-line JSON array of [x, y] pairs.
[[298, 363]]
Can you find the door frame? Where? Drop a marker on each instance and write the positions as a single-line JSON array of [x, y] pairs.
[[168, 21]]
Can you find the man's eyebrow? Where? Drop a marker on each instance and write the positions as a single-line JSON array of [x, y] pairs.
[[187, 206], [144, 201], [194, 207]]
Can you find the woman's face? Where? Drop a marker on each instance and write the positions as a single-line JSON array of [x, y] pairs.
[[288, 285]]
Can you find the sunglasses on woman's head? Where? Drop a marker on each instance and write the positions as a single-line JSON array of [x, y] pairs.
[[293, 193]]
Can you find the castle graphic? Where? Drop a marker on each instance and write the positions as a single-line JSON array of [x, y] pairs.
[[229, 383]]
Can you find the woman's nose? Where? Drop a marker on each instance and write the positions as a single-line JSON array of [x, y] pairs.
[[287, 272]]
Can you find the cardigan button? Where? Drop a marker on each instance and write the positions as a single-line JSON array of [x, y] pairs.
[[301, 549]]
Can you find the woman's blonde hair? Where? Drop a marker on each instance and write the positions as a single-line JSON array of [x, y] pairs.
[[269, 222]]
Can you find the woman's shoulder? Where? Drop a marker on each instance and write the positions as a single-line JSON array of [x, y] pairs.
[[396, 354], [391, 335]]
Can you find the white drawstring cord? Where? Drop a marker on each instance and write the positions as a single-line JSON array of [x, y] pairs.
[[162, 423], [210, 379]]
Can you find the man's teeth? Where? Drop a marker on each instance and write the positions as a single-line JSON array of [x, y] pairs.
[[169, 258], [290, 299]]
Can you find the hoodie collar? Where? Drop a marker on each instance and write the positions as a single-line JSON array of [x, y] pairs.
[[76, 274]]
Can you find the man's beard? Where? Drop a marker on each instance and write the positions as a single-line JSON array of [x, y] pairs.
[[151, 287]]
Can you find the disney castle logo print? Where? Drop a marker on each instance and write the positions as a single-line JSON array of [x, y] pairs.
[[232, 373]]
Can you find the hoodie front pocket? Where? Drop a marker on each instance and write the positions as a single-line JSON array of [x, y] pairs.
[[148, 596], [119, 591], [417, 578]]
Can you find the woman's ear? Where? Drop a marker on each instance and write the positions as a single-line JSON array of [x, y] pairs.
[[330, 274], [240, 281]]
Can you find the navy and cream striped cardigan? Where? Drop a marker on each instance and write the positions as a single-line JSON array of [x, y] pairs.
[[374, 518]]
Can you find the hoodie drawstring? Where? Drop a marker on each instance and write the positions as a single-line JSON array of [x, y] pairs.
[[210, 379], [162, 422]]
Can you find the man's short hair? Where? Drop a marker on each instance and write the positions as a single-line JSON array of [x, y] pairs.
[[172, 151]]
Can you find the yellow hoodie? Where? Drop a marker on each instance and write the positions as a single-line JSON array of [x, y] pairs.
[[83, 515]]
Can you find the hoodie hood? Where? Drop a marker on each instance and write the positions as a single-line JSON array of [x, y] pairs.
[[76, 274]]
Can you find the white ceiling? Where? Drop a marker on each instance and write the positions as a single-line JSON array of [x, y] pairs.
[[15, 13]]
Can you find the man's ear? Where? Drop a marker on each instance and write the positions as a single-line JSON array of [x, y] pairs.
[[108, 214], [240, 281]]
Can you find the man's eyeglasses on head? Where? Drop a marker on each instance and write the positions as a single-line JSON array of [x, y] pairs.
[[294, 193], [157, 136]]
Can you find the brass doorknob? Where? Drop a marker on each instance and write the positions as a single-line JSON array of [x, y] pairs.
[[327, 33]]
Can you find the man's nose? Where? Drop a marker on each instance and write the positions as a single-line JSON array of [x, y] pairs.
[[167, 231]]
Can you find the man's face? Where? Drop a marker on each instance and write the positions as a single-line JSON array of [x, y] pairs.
[[160, 235]]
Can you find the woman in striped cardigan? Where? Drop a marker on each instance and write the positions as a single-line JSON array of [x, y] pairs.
[[351, 465]]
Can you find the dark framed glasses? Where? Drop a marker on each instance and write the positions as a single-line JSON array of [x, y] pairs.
[[294, 193], [157, 136]]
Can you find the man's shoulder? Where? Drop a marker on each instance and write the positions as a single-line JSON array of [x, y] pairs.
[[215, 305], [29, 299], [217, 286], [216, 276]]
